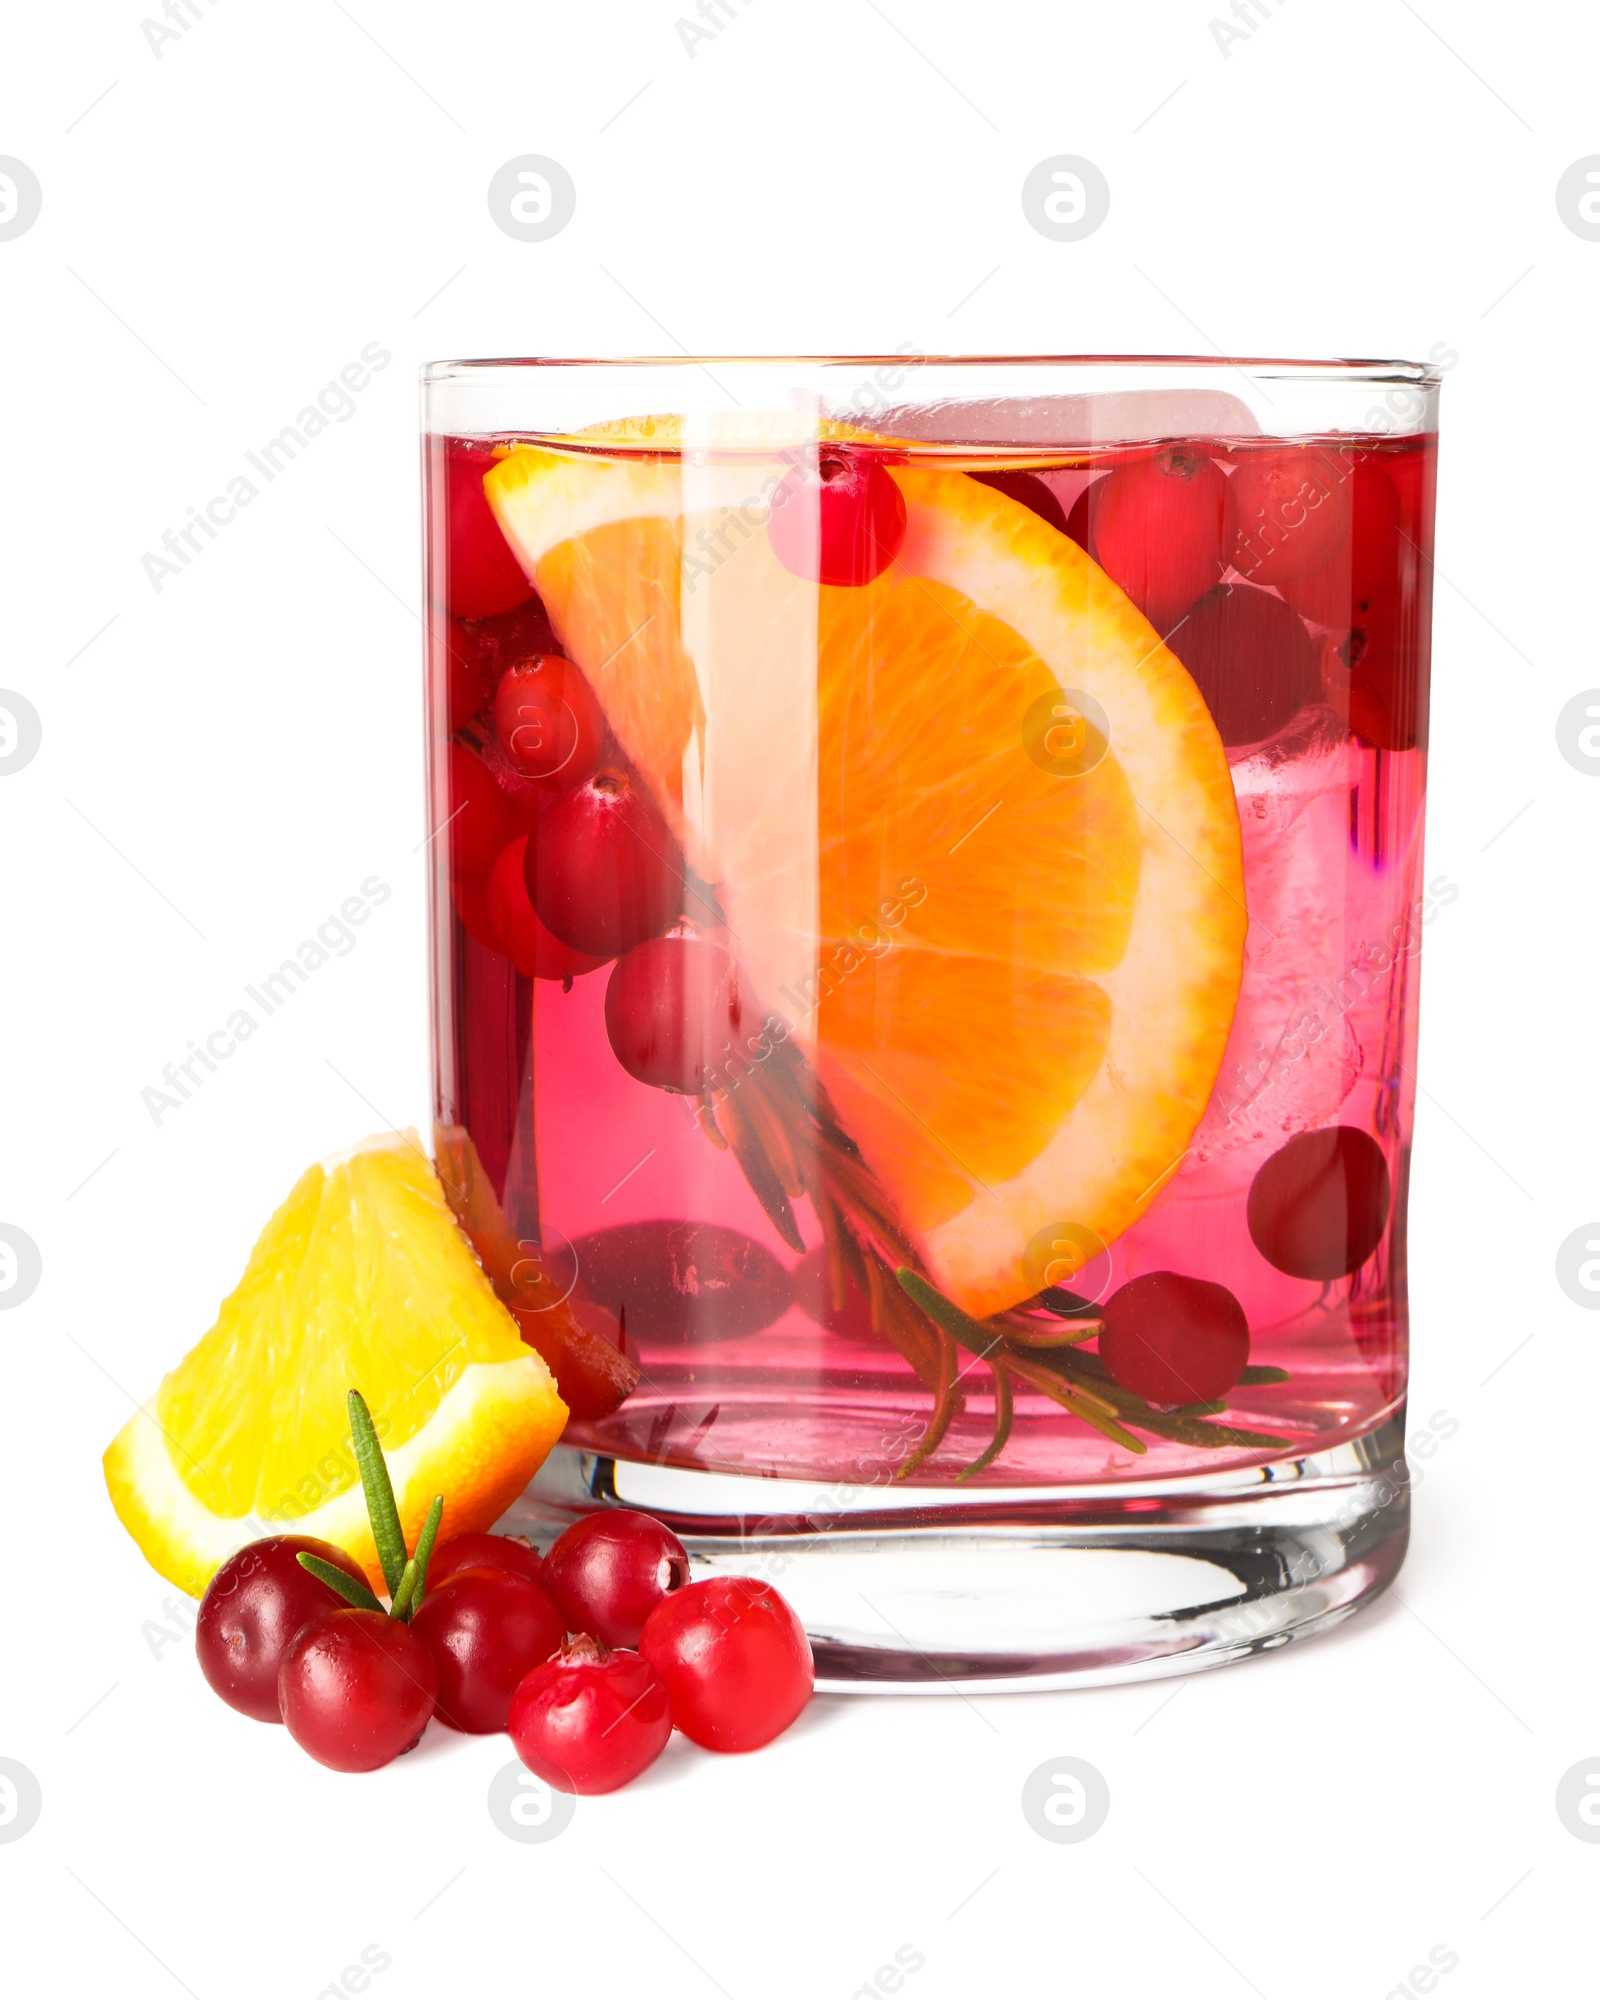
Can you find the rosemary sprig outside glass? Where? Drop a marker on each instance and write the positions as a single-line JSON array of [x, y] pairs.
[[405, 1575]]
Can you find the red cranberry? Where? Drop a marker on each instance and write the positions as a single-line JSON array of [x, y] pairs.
[[1318, 1208], [1251, 658], [688, 1283], [470, 897], [604, 872], [1174, 1340], [519, 935], [548, 720], [609, 1572], [1080, 522], [734, 1659], [485, 1628], [465, 694], [356, 1688], [475, 1551], [1372, 598], [1162, 528], [482, 576], [1367, 564], [837, 518], [588, 1720], [479, 814], [252, 1608], [1381, 675], [677, 1015], [1029, 491], [1292, 505]]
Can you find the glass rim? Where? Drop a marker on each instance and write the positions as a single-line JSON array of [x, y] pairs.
[[1334, 368]]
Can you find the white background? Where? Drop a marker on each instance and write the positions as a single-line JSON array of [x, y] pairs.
[[226, 225]]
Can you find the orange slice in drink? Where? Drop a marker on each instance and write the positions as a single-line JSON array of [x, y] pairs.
[[971, 824]]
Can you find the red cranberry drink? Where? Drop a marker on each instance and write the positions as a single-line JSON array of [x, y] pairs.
[[928, 892]]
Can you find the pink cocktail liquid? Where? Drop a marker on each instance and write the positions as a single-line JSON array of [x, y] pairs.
[[628, 1226]]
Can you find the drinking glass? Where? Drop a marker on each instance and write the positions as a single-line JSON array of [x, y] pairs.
[[927, 899]]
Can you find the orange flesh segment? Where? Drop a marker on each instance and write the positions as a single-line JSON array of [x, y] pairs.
[[931, 812]]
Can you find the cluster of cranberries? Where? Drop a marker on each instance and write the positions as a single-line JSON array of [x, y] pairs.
[[589, 1658], [559, 859], [1238, 568]]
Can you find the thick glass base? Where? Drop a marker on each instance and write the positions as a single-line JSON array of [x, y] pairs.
[[909, 1589]]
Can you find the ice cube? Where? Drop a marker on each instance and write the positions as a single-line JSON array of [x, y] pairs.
[[1294, 1054]]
